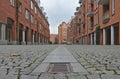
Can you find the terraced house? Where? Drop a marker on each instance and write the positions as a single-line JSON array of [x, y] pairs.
[[23, 22], [97, 22]]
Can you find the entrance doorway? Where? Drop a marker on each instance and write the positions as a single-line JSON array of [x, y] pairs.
[[116, 34], [108, 36], [20, 33]]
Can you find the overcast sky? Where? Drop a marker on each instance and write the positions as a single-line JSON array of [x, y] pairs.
[[58, 11]]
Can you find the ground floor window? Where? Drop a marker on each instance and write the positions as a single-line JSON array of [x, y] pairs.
[[9, 29]]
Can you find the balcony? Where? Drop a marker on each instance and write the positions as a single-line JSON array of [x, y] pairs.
[[106, 17], [75, 13], [82, 21], [91, 1], [77, 8], [90, 14], [80, 1], [91, 26], [103, 2], [106, 20]]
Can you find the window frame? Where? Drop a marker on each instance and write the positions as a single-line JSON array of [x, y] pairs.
[[27, 14], [12, 2]]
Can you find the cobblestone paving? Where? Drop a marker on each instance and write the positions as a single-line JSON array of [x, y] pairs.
[[18, 62], [102, 62]]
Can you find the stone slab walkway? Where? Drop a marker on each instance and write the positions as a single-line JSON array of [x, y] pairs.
[[60, 55]]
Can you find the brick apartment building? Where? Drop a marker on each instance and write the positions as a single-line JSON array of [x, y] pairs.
[[62, 33], [54, 38], [97, 22], [23, 22]]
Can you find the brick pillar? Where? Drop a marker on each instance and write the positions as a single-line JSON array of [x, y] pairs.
[[14, 34], [29, 37]]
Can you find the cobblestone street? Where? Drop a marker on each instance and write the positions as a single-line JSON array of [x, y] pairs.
[[59, 62]]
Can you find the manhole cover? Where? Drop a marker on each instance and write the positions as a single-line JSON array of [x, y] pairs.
[[59, 68]]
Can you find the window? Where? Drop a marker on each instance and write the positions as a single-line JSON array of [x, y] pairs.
[[32, 5], [12, 2], [113, 7], [20, 7], [32, 19], [26, 14]]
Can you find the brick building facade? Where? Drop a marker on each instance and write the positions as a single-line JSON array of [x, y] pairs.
[[62, 33], [23, 22], [97, 22], [54, 38]]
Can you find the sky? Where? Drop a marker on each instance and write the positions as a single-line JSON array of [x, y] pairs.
[[59, 11]]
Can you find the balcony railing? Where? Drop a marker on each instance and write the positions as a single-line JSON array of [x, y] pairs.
[[106, 20], [103, 2], [90, 14]]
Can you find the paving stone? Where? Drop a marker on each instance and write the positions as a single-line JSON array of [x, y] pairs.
[[46, 76], [60, 76], [77, 77], [28, 77], [99, 60], [110, 76], [95, 76], [118, 72], [108, 72]]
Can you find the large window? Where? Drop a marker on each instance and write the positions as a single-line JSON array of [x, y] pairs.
[[20, 7], [32, 19], [26, 14], [12, 2], [32, 6]]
